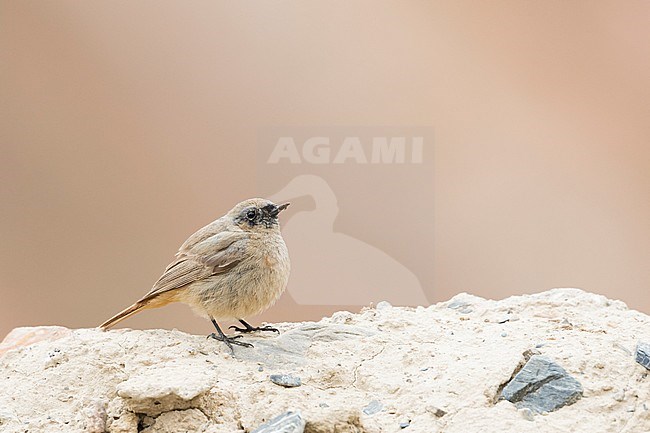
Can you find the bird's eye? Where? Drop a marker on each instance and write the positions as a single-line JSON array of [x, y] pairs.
[[251, 214]]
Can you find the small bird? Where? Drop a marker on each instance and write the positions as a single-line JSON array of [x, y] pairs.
[[234, 267]]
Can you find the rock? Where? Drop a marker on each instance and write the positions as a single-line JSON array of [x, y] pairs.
[[542, 386], [365, 372], [643, 354], [383, 305], [157, 390], [25, 336], [437, 412], [286, 380], [190, 420], [619, 396], [288, 422], [289, 348], [527, 414], [457, 304], [373, 407]]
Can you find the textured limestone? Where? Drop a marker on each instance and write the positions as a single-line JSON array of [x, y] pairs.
[[424, 369]]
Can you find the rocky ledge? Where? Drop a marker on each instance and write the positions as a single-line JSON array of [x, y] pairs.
[[563, 360]]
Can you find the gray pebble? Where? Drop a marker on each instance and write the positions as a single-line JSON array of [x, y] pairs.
[[373, 407], [383, 305], [288, 422], [527, 414], [504, 334], [286, 380], [643, 354], [323, 405], [455, 305], [620, 396], [542, 386], [404, 424]]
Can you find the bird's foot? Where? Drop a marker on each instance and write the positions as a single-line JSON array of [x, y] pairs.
[[230, 340], [248, 328]]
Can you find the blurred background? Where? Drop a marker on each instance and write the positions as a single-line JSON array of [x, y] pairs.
[[126, 126]]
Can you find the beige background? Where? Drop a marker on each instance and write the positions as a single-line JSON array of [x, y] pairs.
[[125, 126]]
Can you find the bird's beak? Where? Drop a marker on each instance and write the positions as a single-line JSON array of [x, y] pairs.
[[274, 213]]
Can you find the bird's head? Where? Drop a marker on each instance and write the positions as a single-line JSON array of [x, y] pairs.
[[257, 214]]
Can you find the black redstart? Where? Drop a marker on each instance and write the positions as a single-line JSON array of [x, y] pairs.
[[234, 267]]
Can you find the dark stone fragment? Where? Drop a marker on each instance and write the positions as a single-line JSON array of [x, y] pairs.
[[542, 386], [643, 354]]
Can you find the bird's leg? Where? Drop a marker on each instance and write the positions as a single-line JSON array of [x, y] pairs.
[[228, 340], [248, 328]]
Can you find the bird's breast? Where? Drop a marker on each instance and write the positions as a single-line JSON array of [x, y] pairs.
[[265, 277], [275, 257]]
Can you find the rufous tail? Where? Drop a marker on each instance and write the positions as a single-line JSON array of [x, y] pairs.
[[128, 312]]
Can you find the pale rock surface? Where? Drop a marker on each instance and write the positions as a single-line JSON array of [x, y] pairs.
[[427, 369]]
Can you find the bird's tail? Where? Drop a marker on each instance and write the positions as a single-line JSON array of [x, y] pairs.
[[127, 312], [151, 300]]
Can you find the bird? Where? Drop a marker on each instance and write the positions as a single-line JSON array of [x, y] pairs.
[[234, 267]]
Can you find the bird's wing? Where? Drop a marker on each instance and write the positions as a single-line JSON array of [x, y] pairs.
[[216, 227], [211, 256]]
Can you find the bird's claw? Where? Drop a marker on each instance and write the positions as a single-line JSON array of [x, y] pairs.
[[268, 328], [230, 340], [251, 329]]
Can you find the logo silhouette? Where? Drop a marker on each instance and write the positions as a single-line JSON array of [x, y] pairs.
[[331, 268]]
